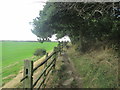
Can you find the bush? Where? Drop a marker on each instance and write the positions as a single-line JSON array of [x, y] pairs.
[[40, 52]]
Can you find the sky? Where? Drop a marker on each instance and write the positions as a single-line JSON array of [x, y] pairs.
[[15, 16]]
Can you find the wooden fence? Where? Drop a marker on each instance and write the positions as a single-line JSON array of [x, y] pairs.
[[29, 70]]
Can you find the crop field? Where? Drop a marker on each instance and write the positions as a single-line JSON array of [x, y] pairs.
[[13, 54], [0, 63]]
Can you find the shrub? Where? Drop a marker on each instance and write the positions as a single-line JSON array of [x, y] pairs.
[[40, 52]]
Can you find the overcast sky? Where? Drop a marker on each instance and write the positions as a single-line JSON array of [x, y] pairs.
[[15, 16]]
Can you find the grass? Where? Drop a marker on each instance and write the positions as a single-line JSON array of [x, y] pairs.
[[14, 51], [0, 63], [98, 69], [13, 54]]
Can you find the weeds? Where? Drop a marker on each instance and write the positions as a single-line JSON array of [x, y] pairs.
[[97, 70]]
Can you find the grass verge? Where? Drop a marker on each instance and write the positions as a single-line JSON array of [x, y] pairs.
[[98, 69]]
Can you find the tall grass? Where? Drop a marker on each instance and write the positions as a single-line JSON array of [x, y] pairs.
[[98, 69]]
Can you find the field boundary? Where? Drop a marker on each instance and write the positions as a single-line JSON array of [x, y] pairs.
[[14, 83], [29, 70]]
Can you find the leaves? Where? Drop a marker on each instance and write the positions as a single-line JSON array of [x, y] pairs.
[[89, 21]]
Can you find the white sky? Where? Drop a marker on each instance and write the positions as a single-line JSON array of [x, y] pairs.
[[15, 16]]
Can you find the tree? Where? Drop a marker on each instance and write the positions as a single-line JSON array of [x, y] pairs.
[[84, 23]]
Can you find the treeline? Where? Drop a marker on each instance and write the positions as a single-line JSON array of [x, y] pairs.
[[16, 41], [87, 24]]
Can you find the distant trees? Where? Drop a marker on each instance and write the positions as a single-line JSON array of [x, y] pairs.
[[84, 23]]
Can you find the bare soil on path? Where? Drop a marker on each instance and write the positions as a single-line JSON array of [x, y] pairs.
[[66, 74], [74, 80]]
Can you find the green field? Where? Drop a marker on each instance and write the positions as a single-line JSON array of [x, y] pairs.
[[0, 63], [13, 54]]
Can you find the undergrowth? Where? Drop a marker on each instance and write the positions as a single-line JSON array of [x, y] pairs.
[[98, 69]]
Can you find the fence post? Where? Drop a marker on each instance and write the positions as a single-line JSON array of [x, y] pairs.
[[55, 56], [28, 67], [45, 72], [59, 46], [62, 46]]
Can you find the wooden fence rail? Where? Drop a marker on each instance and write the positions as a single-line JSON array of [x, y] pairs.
[[29, 70]]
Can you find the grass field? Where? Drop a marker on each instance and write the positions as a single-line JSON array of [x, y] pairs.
[[0, 63], [13, 54]]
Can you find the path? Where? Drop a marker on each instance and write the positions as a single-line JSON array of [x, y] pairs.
[[74, 81], [68, 76]]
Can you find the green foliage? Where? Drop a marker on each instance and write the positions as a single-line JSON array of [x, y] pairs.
[[82, 22], [40, 52]]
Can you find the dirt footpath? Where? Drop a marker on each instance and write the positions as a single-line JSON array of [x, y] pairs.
[[65, 75], [73, 79]]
